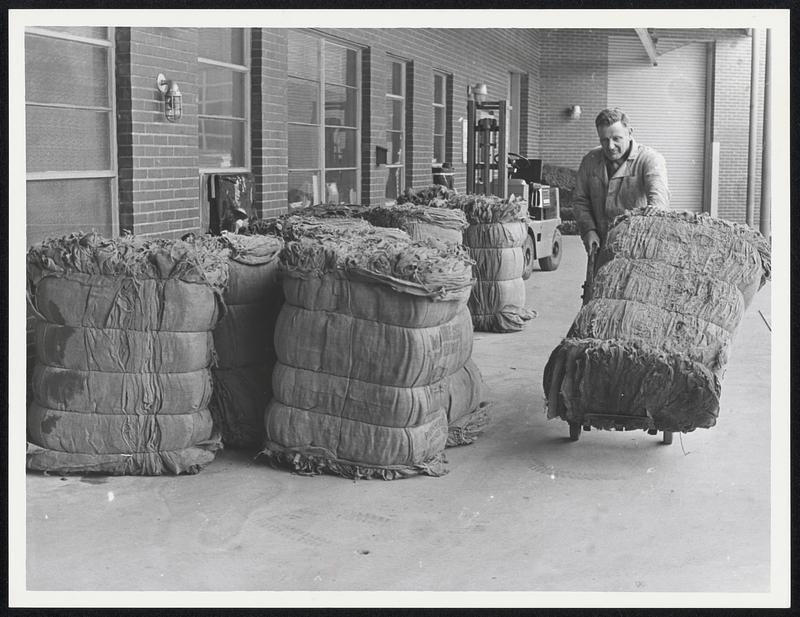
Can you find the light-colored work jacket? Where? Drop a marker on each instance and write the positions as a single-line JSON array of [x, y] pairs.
[[640, 181]]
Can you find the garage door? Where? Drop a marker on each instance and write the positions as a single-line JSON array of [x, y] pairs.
[[666, 106]]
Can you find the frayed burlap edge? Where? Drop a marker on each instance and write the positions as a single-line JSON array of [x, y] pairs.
[[308, 461], [467, 429]]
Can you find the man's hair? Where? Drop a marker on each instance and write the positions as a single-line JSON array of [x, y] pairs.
[[609, 116]]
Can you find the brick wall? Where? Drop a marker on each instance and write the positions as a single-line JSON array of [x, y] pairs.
[[731, 125], [159, 188], [574, 72], [469, 56], [268, 112]]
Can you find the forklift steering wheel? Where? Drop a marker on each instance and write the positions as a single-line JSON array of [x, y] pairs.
[[512, 161]]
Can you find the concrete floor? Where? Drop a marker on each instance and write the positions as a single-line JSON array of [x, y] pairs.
[[522, 509]]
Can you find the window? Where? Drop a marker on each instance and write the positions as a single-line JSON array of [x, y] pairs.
[[223, 100], [396, 127], [440, 118], [71, 177], [324, 121]]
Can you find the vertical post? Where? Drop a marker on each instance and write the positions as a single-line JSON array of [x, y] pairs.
[[708, 136], [470, 135], [766, 156], [713, 190], [751, 149], [502, 150]]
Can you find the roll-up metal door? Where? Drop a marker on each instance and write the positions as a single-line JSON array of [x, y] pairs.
[[667, 108]]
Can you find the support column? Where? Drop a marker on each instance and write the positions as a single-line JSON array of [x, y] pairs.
[[751, 149], [766, 155]]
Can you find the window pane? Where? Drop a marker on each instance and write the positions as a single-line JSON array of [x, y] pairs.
[[340, 65], [303, 59], [89, 32], [394, 114], [304, 188], [394, 143], [303, 147], [341, 105], [438, 149], [340, 187], [58, 71], [438, 120], [303, 99], [340, 147], [67, 139], [221, 143], [438, 89], [222, 44], [395, 85], [394, 184], [59, 207], [221, 92]]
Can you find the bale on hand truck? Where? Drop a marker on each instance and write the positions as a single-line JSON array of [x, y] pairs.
[[661, 303]]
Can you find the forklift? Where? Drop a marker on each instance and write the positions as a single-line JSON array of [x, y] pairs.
[[493, 170]]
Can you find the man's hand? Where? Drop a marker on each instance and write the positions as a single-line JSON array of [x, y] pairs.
[[591, 241]]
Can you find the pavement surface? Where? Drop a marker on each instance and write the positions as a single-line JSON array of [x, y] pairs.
[[522, 509]]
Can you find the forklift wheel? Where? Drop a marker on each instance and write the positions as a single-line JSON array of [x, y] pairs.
[[574, 431], [550, 263], [528, 252]]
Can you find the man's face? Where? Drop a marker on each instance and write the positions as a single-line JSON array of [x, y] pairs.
[[615, 140]]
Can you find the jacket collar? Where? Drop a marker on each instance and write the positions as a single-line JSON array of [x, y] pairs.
[[624, 169]]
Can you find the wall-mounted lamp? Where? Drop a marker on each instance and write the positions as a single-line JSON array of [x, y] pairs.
[[478, 92], [173, 100], [574, 112]]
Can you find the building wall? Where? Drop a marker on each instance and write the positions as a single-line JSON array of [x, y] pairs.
[[268, 135], [159, 185], [470, 56], [574, 70], [731, 125], [159, 189]]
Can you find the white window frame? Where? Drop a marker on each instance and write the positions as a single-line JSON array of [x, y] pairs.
[[320, 82], [238, 68], [403, 153], [112, 173], [442, 105]]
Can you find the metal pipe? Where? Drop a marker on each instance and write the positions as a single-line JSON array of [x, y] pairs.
[[751, 149], [766, 155]]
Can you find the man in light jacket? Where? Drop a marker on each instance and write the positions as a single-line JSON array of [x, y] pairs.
[[619, 175]]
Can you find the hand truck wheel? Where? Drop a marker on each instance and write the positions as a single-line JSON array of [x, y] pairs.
[[667, 438], [574, 431]]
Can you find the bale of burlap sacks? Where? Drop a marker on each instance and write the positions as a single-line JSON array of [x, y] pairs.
[[420, 222], [651, 345], [244, 339], [494, 238], [371, 341], [124, 346]]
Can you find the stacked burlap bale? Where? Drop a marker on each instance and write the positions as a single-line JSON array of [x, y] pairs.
[[310, 220], [373, 344], [651, 345], [420, 222], [124, 346], [244, 338], [434, 195], [462, 393], [494, 238]]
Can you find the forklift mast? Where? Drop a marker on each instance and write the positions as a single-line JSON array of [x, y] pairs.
[[487, 148]]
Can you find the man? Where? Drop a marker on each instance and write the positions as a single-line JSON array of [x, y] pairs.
[[619, 175]]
